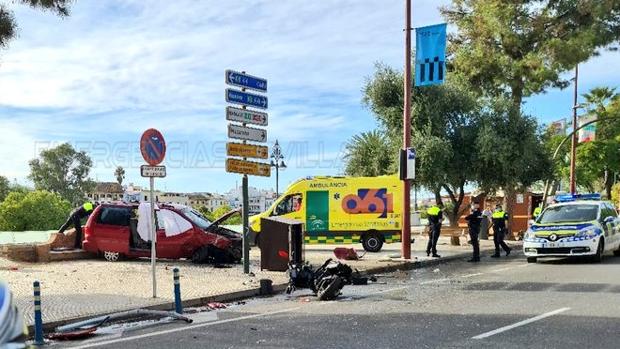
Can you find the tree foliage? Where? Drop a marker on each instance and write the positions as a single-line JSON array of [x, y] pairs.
[[8, 25], [36, 210], [64, 171], [520, 48], [370, 154], [5, 188]]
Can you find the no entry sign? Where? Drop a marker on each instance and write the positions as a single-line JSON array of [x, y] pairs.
[[153, 147]]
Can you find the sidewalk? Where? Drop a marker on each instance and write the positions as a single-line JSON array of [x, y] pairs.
[[84, 288]]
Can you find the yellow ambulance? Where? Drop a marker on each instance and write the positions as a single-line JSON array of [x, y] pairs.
[[342, 210]]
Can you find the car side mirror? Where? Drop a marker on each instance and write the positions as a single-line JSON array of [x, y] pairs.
[[609, 219]]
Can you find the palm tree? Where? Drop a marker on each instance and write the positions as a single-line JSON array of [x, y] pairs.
[[598, 98], [368, 154], [119, 174]]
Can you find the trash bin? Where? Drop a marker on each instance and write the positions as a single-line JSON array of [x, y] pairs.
[[281, 239]]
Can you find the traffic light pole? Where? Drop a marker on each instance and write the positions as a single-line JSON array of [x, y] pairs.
[[406, 221]]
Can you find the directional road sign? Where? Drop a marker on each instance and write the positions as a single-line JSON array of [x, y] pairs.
[[246, 116], [153, 147], [247, 150], [153, 171], [247, 133], [244, 98], [246, 81], [248, 167]]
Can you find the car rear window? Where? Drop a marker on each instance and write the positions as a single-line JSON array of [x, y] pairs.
[[114, 216]]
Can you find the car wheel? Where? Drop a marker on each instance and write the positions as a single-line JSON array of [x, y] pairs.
[[111, 256], [372, 242], [200, 255], [598, 257], [532, 259]]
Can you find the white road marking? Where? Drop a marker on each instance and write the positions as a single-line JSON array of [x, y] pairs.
[[191, 327], [471, 275], [434, 281], [520, 323]]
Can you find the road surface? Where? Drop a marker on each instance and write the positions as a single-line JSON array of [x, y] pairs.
[[505, 303]]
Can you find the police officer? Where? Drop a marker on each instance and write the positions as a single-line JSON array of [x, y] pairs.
[[537, 211], [435, 217], [473, 223], [499, 218], [75, 219]]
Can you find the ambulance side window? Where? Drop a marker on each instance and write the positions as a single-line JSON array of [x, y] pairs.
[[289, 204]]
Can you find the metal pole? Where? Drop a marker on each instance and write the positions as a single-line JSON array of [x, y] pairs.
[[406, 229], [153, 236], [246, 217], [277, 179], [38, 319], [176, 277], [573, 153]]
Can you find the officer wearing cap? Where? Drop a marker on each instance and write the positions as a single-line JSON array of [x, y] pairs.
[[75, 219]]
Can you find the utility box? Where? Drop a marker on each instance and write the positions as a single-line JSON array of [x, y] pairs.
[[281, 240]]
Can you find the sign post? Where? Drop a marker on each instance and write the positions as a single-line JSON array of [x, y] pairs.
[[242, 132], [153, 149]]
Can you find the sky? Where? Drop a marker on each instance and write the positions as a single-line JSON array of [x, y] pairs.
[[112, 69]]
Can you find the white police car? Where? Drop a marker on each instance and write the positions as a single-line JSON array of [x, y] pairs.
[[578, 225]]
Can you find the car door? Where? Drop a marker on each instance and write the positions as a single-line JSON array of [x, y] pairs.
[[174, 234], [111, 230]]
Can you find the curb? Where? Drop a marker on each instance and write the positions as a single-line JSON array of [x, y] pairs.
[[254, 292]]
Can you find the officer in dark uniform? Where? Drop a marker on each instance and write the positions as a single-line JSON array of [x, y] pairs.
[[499, 218], [435, 217], [75, 219], [473, 223]]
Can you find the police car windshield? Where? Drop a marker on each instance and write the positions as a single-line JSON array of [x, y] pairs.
[[569, 213]]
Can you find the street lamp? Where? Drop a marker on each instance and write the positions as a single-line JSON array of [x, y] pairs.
[[277, 161]]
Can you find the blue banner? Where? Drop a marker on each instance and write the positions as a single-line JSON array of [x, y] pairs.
[[430, 55]]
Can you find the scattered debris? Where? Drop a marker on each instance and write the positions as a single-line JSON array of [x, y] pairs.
[[216, 305], [327, 281], [436, 270], [73, 335], [100, 320], [347, 254]]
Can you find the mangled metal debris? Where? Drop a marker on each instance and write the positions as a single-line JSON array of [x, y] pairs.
[[327, 281]]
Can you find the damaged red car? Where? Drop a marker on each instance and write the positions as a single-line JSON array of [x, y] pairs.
[[116, 230]]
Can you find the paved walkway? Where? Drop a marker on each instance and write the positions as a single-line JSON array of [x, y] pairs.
[[74, 289]]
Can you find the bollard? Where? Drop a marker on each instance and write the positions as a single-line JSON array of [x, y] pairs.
[[38, 320], [177, 292]]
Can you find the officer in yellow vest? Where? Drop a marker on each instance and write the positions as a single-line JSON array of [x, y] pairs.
[[499, 219], [435, 217], [75, 219], [537, 211]]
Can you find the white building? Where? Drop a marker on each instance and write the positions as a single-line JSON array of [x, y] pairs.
[[259, 200], [106, 192]]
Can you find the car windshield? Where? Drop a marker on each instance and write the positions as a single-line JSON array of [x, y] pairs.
[[569, 213], [197, 218]]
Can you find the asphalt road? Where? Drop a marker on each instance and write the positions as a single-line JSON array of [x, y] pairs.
[[503, 303]]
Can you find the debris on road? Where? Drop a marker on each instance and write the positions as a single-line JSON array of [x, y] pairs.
[[327, 281], [131, 314], [347, 254]]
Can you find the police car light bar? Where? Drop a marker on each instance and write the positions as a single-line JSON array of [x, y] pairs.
[[575, 197]]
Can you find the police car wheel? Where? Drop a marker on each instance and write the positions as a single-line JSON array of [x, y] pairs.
[[111, 256], [372, 242], [598, 257], [531, 259]]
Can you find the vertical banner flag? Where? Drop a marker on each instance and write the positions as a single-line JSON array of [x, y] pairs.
[[430, 55], [588, 133]]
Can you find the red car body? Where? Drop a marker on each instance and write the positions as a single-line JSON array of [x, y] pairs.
[[110, 229]]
